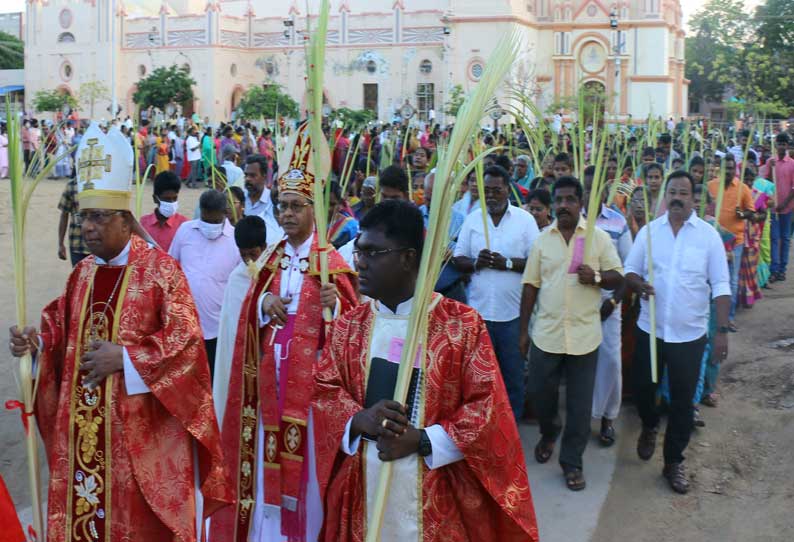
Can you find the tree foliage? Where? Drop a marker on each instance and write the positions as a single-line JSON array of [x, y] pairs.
[[12, 52], [265, 102], [164, 85], [92, 91], [353, 118], [732, 52], [455, 100], [53, 100]]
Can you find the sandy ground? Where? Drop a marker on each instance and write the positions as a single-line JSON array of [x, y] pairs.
[[741, 461]]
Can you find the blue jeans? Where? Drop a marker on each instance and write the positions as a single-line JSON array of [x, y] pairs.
[[504, 336], [780, 236], [733, 269]]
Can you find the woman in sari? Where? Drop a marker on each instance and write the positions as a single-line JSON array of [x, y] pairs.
[[749, 289], [767, 187], [341, 226], [162, 162]]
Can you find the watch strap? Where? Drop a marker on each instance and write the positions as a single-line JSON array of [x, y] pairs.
[[425, 446]]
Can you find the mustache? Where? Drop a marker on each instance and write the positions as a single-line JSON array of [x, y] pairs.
[[676, 203]]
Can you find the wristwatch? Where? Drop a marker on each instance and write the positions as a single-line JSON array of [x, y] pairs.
[[597, 278], [509, 264], [723, 329], [425, 446]]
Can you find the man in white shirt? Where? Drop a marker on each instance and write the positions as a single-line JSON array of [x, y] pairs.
[[690, 267], [207, 252], [496, 260], [234, 174], [193, 156], [258, 198]]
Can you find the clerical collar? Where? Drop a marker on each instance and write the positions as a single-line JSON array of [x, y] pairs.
[[302, 251], [121, 259], [403, 309]]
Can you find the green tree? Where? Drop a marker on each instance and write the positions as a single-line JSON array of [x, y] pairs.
[[265, 101], [92, 91], [353, 118], [456, 99], [164, 85], [12, 52], [53, 100]]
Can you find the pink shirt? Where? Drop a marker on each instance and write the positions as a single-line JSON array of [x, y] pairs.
[[207, 265], [163, 233], [784, 179]]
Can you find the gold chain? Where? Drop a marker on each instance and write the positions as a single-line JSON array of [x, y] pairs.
[[107, 305]]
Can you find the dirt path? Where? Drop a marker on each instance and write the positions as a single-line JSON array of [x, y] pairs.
[[741, 462]]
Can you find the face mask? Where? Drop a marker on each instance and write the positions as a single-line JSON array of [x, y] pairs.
[[168, 208], [210, 231]]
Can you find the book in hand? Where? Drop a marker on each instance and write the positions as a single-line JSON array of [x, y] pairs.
[[382, 381]]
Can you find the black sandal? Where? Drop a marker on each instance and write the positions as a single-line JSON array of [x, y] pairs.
[[543, 451], [607, 435], [574, 479]]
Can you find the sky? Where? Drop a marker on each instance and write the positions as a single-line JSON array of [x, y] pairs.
[[690, 6]]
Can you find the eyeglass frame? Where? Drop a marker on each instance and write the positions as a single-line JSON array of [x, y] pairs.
[[294, 206], [97, 217]]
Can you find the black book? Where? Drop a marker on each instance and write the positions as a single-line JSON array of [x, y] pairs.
[[382, 381]]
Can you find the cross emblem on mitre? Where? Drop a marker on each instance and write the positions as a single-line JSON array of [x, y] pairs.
[[92, 163]]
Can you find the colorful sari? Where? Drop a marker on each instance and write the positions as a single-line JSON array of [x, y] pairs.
[[765, 247], [749, 290], [342, 230], [162, 163]]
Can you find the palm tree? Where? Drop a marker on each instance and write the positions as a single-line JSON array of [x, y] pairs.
[[12, 52]]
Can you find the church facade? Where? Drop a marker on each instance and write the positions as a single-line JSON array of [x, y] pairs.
[[380, 52]]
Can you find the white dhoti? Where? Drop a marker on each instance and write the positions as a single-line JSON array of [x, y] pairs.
[[609, 380]]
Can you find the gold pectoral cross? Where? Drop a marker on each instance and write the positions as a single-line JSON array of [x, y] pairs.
[[92, 163]]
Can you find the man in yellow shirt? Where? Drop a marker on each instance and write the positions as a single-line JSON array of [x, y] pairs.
[[737, 207], [566, 331]]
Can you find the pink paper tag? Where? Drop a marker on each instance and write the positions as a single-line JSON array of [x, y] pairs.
[[396, 351], [578, 254]]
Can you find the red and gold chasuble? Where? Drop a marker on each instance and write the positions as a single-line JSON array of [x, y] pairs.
[[255, 393], [485, 497], [121, 466]]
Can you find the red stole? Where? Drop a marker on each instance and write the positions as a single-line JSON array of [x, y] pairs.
[[253, 392]]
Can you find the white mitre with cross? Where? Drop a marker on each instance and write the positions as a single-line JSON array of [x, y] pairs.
[[104, 170]]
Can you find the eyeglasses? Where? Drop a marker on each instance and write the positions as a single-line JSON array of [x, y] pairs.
[[373, 254], [294, 206], [97, 217]]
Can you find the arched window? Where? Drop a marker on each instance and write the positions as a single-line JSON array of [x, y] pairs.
[[426, 67], [66, 37]]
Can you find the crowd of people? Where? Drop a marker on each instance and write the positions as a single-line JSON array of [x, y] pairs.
[[299, 372]]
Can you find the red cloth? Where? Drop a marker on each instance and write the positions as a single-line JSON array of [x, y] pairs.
[[12, 530], [253, 394], [163, 233], [485, 497], [148, 440]]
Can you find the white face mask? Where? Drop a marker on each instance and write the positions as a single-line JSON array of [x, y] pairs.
[[168, 208], [211, 231]]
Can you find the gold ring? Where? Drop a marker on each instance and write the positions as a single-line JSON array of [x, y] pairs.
[[384, 422]]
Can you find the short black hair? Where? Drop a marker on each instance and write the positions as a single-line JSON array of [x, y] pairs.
[[590, 170], [681, 174], [504, 161], [649, 151], [696, 161], [782, 137], [400, 221], [729, 157], [165, 181], [665, 138], [213, 200], [565, 158], [498, 171], [237, 193], [541, 195], [653, 165], [258, 159], [394, 177], [250, 232], [567, 181]]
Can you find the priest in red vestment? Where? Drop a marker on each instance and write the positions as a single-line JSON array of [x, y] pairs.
[[459, 472], [267, 427], [124, 400]]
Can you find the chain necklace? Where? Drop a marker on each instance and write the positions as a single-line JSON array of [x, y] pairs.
[[93, 333]]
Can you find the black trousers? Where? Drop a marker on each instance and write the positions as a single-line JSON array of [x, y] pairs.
[[546, 372], [683, 370], [210, 345]]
